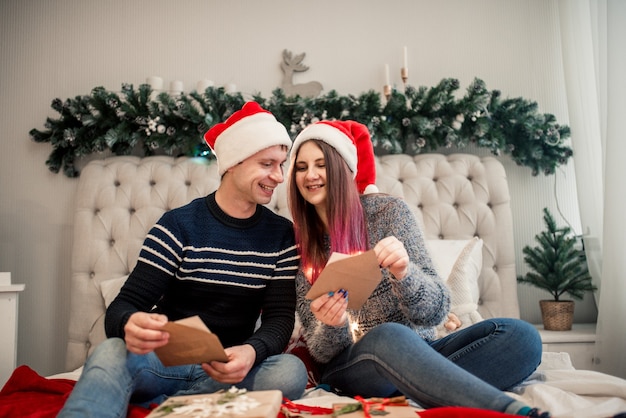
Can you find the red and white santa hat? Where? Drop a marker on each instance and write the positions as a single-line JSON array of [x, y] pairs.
[[352, 141], [243, 134]]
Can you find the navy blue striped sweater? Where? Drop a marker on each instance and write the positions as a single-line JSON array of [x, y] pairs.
[[197, 260]]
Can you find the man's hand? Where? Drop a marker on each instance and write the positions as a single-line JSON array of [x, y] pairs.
[[143, 332], [240, 360]]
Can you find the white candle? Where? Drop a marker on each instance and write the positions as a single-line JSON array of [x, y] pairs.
[[155, 82], [204, 84], [176, 87], [406, 59], [387, 82]]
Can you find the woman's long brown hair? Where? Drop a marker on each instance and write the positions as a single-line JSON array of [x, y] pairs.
[[347, 230]]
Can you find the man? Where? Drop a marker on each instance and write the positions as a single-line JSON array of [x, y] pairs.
[[223, 257]]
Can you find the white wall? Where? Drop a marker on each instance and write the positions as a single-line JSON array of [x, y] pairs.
[[64, 48]]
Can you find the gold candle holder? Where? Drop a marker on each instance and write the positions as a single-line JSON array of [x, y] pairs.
[[387, 91], [404, 73]]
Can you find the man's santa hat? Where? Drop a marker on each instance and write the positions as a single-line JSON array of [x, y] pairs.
[[352, 141], [245, 132]]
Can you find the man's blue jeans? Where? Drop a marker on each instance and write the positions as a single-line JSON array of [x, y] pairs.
[[470, 367], [113, 377]]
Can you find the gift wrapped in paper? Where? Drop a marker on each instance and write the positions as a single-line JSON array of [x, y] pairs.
[[233, 403]]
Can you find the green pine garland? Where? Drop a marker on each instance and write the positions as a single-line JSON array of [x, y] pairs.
[[416, 121]]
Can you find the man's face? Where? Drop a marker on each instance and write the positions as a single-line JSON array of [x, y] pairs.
[[257, 176]]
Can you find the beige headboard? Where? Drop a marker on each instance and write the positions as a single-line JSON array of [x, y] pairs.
[[119, 199]]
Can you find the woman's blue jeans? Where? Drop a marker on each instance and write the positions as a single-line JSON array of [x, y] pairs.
[[112, 378], [471, 367]]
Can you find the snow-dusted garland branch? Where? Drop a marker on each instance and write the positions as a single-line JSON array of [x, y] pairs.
[[418, 120]]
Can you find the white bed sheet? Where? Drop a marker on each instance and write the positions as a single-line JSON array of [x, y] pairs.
[[575, 393]]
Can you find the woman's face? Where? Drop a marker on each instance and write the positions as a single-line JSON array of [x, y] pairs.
[[310, 174]]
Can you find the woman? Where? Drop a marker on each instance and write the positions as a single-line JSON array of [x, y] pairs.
[[388, 346]]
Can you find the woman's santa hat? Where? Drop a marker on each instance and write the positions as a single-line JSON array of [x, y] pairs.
[[352, 141], [245, 132]]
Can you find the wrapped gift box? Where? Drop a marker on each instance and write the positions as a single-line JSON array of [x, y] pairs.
[[322, 407], [254, 404], [390, 411]]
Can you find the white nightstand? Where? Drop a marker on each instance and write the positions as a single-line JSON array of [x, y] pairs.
[[8, 325], [579, 343]]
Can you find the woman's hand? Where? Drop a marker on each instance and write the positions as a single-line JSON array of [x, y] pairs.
[[331, 308], [392, 255], [452, 323]]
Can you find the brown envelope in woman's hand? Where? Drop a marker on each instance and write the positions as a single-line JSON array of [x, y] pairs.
[[358, 274]]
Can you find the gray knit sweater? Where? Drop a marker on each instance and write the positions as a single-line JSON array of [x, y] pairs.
[[420, 301]]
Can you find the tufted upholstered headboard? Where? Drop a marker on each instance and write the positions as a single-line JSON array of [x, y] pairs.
[[119, 198]]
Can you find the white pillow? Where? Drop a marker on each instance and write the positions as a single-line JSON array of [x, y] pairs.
[[110, 288], [459, 263]]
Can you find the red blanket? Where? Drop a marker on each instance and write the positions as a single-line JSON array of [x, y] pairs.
[[29, 395]]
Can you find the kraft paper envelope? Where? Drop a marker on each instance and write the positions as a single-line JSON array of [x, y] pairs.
[[358, 274], [191, 342]]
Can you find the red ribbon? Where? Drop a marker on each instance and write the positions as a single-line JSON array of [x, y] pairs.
[[298, 408], [369, 405]]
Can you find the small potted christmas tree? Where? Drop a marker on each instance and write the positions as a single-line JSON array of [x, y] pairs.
[[557, 267]]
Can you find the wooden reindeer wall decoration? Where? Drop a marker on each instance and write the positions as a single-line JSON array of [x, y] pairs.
[[290, 65]]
